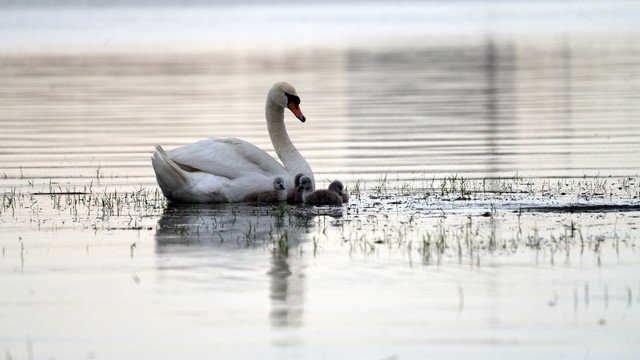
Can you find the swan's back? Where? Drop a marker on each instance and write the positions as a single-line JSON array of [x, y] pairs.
[[187, 174], [230, 158], [180, 185]]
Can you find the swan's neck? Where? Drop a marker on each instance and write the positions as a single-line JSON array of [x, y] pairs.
[[287, 152], [306, 193], [282, 195]]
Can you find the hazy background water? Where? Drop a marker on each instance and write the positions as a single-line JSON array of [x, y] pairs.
[[414, 90], [409, 90]]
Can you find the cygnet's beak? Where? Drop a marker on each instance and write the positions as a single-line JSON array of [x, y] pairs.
[[295, 109], [281, 187], [300, 188]]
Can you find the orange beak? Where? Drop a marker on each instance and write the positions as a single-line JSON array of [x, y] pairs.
[[295, 109]]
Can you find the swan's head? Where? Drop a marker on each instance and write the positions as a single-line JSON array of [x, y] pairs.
[[305, 184], [337, 187], [278, 183], [283, 94]]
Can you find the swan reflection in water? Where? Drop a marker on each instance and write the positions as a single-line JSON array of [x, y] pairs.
[[217, 239]]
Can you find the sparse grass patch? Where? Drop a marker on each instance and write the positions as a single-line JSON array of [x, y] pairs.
[[469, 220]]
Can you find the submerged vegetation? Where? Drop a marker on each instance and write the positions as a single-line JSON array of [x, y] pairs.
[[464, 220]]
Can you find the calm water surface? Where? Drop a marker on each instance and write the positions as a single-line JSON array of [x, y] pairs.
[[533, 126], [556, 110]]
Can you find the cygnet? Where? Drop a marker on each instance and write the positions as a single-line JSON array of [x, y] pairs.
[[337, 186], [279, 193], [318, 197]]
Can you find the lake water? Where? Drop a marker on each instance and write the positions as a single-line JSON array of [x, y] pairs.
[[490, 150]]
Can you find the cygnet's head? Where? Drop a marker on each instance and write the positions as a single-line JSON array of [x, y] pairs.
[[285, 95], [278, 183], [306, 184], [296, 180], [336, 186]]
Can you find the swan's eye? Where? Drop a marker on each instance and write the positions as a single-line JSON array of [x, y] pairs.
[[293, 103], [293, 99]]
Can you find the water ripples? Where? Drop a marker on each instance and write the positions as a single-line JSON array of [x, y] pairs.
[[494, 108]]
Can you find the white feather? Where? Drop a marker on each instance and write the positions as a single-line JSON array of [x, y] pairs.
[[226, 170]]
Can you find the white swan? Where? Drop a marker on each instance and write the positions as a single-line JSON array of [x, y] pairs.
[[227, 170]]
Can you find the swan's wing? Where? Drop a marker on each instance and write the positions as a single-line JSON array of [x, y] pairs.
[[230, 158]]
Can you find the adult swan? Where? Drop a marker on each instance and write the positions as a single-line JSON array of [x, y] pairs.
[[226, 170]]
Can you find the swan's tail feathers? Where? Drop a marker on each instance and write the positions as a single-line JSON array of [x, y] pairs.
[[168, 173]]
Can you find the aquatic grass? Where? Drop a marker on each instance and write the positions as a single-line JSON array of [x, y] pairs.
[[467, 240], [83, 206], [357, 189], [455, 217], [381, 187]]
